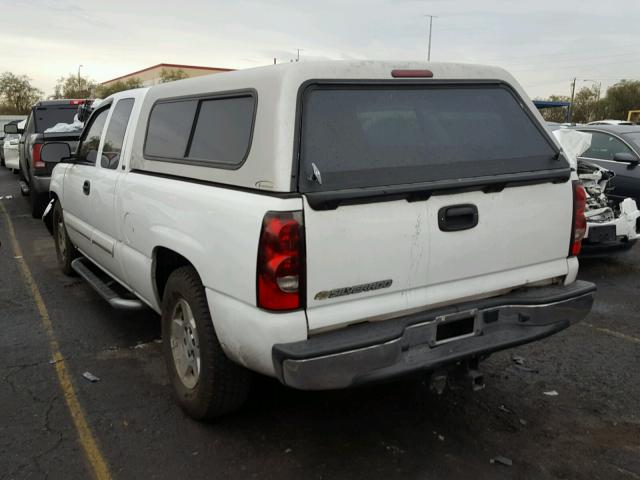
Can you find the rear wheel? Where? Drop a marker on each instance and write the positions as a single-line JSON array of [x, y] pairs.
[[206, 383], [65, 250]]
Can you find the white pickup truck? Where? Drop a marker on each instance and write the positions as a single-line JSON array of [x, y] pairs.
[[329, 224]]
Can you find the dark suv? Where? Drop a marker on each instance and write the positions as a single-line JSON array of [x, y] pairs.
[[34, 173]]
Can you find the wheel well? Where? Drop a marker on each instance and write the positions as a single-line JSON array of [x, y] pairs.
[[166, 261]]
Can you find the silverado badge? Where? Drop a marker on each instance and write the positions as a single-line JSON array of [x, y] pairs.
[[365, 287]]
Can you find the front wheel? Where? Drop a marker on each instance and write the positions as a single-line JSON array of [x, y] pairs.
[[206, 383], [66, 252]]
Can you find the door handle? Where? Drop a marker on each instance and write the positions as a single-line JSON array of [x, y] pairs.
[[457, 217], [86, 187]]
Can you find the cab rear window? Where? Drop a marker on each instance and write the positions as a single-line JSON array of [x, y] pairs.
[[47, 117], [374, 135]]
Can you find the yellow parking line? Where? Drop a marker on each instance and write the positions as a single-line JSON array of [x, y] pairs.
[[613, 333], [87, 440]]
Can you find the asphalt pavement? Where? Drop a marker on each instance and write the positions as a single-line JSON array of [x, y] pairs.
[[589, 430]]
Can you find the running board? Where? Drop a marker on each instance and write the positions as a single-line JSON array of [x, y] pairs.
[[80, 266]]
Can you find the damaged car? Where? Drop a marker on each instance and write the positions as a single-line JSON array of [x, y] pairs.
[[612, 222]]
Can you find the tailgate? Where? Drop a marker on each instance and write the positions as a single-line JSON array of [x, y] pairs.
[[426, 196]]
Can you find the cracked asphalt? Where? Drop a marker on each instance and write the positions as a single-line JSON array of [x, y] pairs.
[[590, 430]]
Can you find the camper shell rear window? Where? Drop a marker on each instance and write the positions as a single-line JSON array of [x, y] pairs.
[[359, 135]]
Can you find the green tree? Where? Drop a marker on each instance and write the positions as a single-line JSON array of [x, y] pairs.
[[172, 75], [622, 97], [586, 106], [74, 86], [103, 91], [17, 94]]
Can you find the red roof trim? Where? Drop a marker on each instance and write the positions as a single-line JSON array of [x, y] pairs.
[[170, 65]]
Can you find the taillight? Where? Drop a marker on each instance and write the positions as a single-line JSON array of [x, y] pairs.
[[280, 272], [35, 155], [579, 227], [76, 102]]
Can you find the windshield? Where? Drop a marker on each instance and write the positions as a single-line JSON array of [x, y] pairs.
[[47, 117], [363, 136]]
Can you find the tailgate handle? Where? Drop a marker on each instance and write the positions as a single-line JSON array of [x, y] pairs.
[[457, 217]]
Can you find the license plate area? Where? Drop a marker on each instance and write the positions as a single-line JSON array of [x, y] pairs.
[[456, 326], [604, 233]]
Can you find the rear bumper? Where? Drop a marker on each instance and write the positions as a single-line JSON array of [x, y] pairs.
[[40, 185], [376, 351], [606, 248]]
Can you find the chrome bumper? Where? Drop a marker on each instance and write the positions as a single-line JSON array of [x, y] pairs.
[[376, 351]]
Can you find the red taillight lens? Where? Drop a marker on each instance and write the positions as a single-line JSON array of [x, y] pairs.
[[579, 220], [280, 271], [76, 102], [35, 155]]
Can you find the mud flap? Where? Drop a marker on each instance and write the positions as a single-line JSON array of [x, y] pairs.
[[47, 216]]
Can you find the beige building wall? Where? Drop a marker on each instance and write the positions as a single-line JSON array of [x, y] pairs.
[[151, 76]]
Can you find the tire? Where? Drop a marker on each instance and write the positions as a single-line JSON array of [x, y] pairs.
[[66, 252], [220, 386]]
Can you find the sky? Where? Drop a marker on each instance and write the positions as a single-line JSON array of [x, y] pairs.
[[544, 44]]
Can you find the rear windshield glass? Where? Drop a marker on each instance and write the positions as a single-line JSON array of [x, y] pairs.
[[365, 136], [47, 117]]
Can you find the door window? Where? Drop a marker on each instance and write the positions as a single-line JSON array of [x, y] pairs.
[[89, 147], [114, 138], [605, 146]]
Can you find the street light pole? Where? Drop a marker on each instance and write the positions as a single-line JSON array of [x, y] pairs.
[[431, 17], [573, 93], [79, 84]]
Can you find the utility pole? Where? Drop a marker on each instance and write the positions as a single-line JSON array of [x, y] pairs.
[[79, 84], [573, 93], [431, 17]]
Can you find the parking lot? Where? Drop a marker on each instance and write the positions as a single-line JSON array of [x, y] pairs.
[[56, 424]]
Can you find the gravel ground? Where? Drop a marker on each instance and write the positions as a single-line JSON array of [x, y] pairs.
[[590, 430]]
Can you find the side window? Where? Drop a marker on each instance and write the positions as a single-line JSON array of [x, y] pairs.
[[169, 128], [114, 138], [605, 146], [89, 147], [223, 130], [208, 131]]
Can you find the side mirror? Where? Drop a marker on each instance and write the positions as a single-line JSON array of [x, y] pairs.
[[11, 128], [626, 157], [55, 152]]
